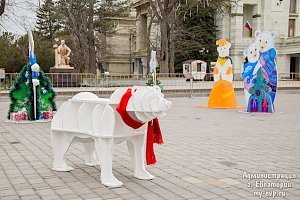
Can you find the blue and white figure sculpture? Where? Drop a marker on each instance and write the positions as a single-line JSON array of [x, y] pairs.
[[250, 68], [262, 88], [266, 41]]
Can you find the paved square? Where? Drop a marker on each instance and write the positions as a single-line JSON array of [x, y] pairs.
[[208, 154]]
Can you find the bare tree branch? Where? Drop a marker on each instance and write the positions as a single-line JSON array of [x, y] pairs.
[[154, 9], [2, 7]]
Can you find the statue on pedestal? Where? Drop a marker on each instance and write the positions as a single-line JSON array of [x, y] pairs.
[[62, 55]]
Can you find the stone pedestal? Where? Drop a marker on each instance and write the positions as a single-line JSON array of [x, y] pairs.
[[64, 76]]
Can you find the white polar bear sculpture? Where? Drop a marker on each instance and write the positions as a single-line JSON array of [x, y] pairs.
[[98, 124]]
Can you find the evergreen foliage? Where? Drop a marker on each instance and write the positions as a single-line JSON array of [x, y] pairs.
[[14, 52], [22, 96], [195, 36], [12, 58], [48, 23], [21, 93]]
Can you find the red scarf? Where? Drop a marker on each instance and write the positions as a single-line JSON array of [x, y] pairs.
[[153, 132]]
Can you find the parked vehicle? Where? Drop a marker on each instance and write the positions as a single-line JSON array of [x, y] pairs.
[[194, 69]]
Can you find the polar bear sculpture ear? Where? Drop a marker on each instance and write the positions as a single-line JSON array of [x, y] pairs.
[[134, 89], [157, 88], [273, 33], [257, 33], [117, 95]]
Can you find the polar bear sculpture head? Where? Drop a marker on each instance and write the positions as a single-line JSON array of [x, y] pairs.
[[223, 47], [145, 104], [265, 39]]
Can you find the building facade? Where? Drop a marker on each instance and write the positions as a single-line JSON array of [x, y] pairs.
[[115, 50], [281, 16], [127, 51], [129, 48]]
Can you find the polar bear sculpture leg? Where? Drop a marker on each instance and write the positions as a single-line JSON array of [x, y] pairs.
[[90, 154], [60, 145], [104, 151], [136, 151]]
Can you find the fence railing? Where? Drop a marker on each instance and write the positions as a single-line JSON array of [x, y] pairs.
[[174, 84]]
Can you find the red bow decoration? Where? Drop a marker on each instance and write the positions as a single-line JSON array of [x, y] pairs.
[[153, 132]]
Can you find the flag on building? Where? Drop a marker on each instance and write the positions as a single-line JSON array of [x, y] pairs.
[[248, 26]]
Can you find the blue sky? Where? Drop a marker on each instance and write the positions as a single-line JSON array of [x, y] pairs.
[[17, 15]]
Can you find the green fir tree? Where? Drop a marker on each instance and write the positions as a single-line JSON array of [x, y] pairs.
[[47, 20], [22, 95], [195, 36]]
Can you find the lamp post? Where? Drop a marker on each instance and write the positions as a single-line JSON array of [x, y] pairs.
[[131, 35]]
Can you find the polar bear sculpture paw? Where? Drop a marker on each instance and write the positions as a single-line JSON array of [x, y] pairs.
[[143, 175], [112, 182], [92, 164], [63, 169]]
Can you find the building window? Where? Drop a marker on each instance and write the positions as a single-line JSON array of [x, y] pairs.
[[293, 6], [248, 13], [198, 67], [291, 28]]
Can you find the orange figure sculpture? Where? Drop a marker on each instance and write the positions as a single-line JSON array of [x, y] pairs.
[[222, 95]]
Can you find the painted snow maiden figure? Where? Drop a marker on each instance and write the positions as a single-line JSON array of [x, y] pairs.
[[32, 97], [250, 67], [266, 41], [260, 99], [222, 94]]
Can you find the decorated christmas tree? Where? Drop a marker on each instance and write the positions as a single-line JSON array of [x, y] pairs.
[[32, 96], [260, 99]]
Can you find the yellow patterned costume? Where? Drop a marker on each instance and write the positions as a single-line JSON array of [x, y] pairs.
[[222, 95]]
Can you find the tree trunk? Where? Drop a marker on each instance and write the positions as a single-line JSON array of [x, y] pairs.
[[2, 6], [172, 59], [80, 56], [164, 29], [91, 39]]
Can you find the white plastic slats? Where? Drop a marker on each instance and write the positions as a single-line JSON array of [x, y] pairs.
[[57, 118], [96, 118], [70, 119], [84, 116]]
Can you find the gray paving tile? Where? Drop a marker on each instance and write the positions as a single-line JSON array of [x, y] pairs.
[[7, 192], [204, 156], [26, 192], [30, 197]]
